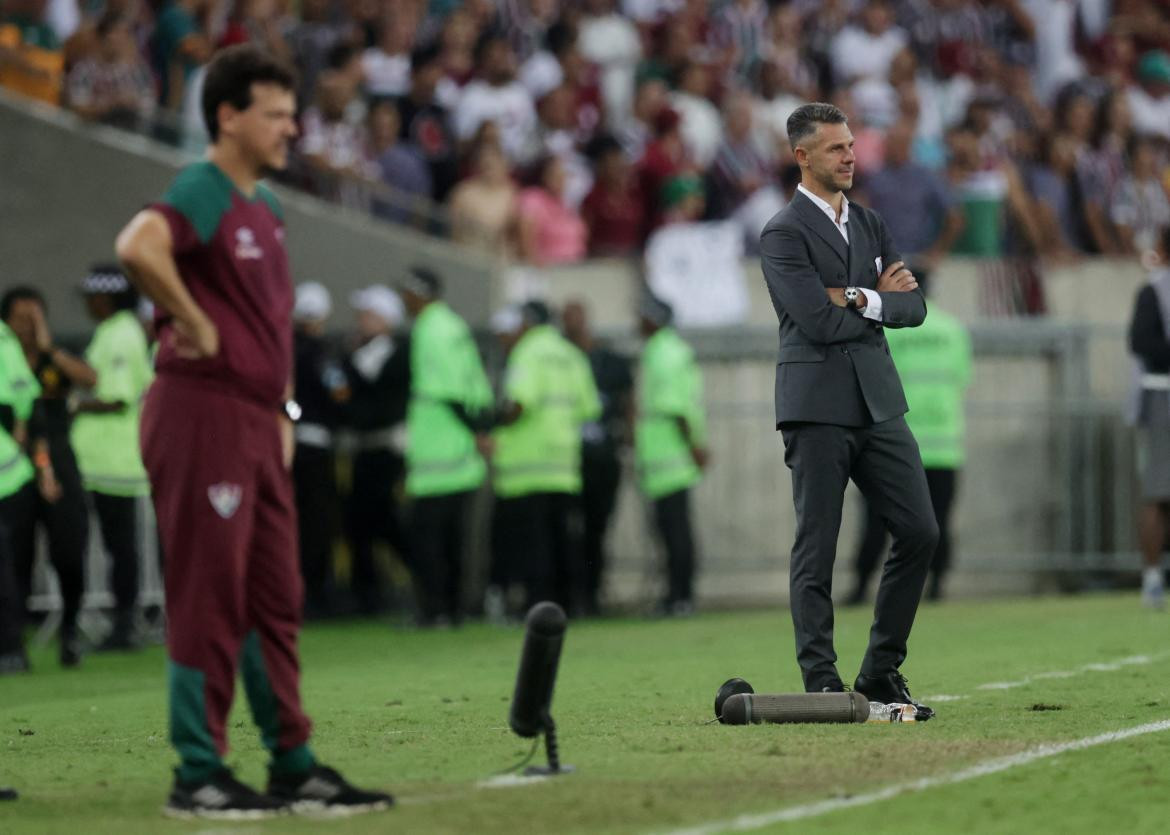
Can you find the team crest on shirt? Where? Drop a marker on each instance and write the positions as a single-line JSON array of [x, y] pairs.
[[246, 248], [225, 498]]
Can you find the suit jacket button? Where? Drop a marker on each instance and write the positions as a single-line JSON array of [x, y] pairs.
[[844, 350]]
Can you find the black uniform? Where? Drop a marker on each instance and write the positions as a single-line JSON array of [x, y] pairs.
[[376, 410], [600, 462], [66, 521], [317, 375]]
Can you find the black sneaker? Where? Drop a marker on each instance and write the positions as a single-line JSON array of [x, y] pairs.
[[122, 637], [70, 650], [13, 662], [221, 797], [322, 790], [890, 689]]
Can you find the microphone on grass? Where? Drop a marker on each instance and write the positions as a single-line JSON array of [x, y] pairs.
[[544, 633], [786, 708]]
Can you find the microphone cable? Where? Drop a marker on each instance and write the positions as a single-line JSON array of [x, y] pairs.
[[523, 762]]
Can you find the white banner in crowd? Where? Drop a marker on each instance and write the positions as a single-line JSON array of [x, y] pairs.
[[698, 269]]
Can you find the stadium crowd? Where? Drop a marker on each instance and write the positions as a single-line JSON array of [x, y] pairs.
[[554, 130]]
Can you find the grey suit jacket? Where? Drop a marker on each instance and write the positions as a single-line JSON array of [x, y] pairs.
[[834, 365]]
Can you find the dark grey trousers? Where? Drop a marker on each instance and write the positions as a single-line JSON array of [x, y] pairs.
[[883, 460]]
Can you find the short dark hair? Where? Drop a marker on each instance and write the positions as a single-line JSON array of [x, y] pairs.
[[424, 56], [804, 120], [20, 294], [485, 43], [602, 146], [339, 55], [560, 38], [535, 312], [230, 77], [108, 22]]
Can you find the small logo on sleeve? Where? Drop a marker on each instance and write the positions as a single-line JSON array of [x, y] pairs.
[[225, 498], [246, 248]]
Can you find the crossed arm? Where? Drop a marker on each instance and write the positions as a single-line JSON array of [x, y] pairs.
[[818, 311]]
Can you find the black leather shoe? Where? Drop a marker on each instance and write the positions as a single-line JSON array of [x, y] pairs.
[[831, 687], [890, 689]]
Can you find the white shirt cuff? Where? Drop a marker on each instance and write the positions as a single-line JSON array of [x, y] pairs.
[[873, 305]]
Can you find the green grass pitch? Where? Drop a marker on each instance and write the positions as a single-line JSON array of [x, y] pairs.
[[425, 715]]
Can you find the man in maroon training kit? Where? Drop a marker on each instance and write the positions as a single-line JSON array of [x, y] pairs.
[[217, 444]]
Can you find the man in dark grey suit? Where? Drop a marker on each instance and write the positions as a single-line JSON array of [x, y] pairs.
[[836, 281]]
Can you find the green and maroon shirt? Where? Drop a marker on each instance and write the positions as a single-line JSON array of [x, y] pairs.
[[231, 256]]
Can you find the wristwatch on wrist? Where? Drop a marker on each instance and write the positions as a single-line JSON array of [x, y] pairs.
[[292, 410], [851, 296]]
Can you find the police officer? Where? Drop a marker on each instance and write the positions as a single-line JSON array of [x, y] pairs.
[[62, 512], [934, 361], [548, 395], [447, 418], [320, 389], [602, 443], [105, 436], [670, 444], [378, 373]]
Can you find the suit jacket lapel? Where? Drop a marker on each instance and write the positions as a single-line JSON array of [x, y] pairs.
[[819, 222]]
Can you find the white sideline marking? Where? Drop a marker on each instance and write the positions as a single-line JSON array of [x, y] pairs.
[[1096, 667], [993, 766]]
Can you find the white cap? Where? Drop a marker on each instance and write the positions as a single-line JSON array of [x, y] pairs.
[[313, 301], [381, 301], [506, 320]]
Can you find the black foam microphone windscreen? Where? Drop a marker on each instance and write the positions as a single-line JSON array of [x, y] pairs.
[[544, 634], [754, 708]]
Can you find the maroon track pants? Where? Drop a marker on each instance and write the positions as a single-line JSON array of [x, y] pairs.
[[227, 521]]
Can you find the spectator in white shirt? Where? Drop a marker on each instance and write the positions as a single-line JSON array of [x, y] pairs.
[[332, 143], [866, 51], [702, 127], [1140, 207], [1149, 99], [558, 131], [776, 103], [611, 42], [496, 96], [559, 61], [1056, 61], [386, 67], [636, 132]]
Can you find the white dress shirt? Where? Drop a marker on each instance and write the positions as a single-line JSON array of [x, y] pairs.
[[873, 299]]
